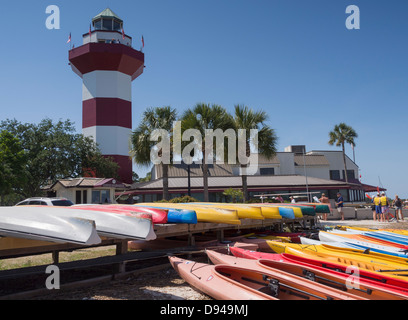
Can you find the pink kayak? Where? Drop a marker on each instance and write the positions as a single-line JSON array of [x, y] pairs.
[[367, 278], [228, 282], [159, 216], [341, 282]]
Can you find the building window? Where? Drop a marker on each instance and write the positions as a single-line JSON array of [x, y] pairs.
[[78, 197], [266, 171], [116, 25], [100, 196], [350, 175], [107, 24], [98, 24], [334, 174]]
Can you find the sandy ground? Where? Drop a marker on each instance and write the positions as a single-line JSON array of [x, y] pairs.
[[161, 285], [167, 284]]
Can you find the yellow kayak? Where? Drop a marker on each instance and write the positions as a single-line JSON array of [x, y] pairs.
[[391, 266], [243, 211], [269, 212], [204, 213]]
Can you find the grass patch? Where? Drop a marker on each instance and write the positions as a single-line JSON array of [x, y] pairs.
[[46, 259]]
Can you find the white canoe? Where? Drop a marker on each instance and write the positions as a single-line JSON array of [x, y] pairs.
[[111, 224], [33, 224]]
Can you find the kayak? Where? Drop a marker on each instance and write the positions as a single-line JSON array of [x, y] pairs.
[[301, 287], [204, 213], [371, 285], [293, 236], [222, 282], [306, 210], [363, 237], [34, 223], [174, 215], [393, 266], [117, 225], [159, 216], [267, 211], [243, 211], [345, 283], [227, 282], [336, 238]]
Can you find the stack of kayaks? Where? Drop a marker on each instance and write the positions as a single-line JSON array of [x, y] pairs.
[[229, 281], [76, 225], [342, 264]]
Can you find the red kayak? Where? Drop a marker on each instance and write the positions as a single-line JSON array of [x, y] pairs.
[[365, 277], [159, 216], [294, 236]]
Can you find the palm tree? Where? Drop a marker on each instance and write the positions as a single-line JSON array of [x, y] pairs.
[[201, 117], [342, 134], [142, 144], [247, 119]]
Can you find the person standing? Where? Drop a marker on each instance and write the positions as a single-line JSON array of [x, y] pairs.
[[385, 208], [373, 209], [340, 204], [324, 199], [397, 203], [377, 203]]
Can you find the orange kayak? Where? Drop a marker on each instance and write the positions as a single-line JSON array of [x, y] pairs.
[[298, 284], [230, 282], [348, 283]]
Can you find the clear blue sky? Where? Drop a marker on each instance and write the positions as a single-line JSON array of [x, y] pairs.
[[294, 59]]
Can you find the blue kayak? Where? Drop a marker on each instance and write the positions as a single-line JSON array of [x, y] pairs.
[[286, 213], [382, 236], [401, 254], [178, 215]]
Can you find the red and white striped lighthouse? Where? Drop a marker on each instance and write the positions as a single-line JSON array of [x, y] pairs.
[[108, 64]]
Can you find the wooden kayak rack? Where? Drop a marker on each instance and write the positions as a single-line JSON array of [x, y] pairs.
[[31, 247]]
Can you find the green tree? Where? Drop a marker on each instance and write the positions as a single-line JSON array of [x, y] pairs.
[[13, 161], [142, 140], [340, 135], [54, 151], [247, 119], [235, 194], [202, 117]]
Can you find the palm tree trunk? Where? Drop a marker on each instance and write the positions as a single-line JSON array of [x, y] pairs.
[[244, 184], [205, 181], [165, 181], [344, 161], [244, 176]]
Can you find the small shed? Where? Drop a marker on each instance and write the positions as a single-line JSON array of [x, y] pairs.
[[87, 190]]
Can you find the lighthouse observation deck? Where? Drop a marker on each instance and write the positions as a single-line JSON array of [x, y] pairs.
[[108, 28]]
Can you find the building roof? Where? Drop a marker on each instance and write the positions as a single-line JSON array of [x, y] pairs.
[[107, 13], [181, 170], [88, 182], [277, 182]]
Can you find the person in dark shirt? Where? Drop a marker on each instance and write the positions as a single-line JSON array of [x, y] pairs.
[[339, 204]]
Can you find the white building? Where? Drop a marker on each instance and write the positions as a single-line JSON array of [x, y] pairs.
[[292, 171]]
